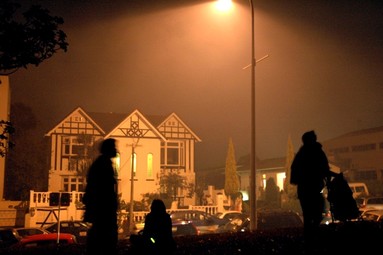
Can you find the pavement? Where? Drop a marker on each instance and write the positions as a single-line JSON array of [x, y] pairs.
[[339, 238]]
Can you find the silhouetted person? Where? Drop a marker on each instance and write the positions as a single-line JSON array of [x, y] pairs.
[[101, 203], [309, 171], [272, 194], [158, 230]]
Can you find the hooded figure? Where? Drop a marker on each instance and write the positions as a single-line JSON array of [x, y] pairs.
[[158, 230], [101, 202], [309, 171]]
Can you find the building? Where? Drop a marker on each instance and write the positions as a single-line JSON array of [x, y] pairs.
[[5, 101], [151, 146], [270, 168], [360, 156], [275, 168]]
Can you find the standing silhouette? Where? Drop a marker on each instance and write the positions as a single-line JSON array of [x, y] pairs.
[[158, 230], [101, 203], [309, 171]]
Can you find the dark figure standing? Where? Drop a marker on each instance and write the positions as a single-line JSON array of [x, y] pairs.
[[101, 203], [309, 171], [158, 230]]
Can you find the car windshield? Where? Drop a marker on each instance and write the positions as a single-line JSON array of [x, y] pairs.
[[378, 200], [218, 215]]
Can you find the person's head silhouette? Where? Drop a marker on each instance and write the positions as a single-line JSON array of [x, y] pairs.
[[309, 137], [158, 206], [108, 148]]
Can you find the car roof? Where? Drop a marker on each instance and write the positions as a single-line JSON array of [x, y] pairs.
[[374, 200], [227, 212], [181, 222], [375, 211], [49, 236]]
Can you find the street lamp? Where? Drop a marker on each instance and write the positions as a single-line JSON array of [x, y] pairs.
[[224, 4], [253, 176]]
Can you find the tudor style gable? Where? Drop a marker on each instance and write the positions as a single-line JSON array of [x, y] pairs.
[[177, 152], [174, 128], [135, 126], [69, 140], [138, 143]]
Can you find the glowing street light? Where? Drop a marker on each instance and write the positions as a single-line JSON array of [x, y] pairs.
[[224, 5]]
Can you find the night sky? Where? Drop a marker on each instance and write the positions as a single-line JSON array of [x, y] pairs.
[[324, 70]]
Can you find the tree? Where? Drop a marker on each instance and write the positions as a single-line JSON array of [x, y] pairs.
[[231, 177], [171, 182], [27, 163], [200, 187], [289, 196], [28, 42], [289, 189], [6, 129], [87, 151]]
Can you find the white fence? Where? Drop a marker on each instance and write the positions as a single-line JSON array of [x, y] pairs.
[[41, 214]]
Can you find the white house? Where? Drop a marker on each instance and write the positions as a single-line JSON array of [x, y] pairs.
[[159, 145]]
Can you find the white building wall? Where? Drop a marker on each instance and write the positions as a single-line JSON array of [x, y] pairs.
[[142, 182], [5, 101]]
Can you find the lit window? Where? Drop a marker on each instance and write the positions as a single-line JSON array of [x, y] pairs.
[[133, 163], [150, 165]]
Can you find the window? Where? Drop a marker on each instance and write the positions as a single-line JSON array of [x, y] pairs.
[[73, 183], [133, 163], [173, 154], [340, 150], [150, 165], [366, 175], [116, 164], [364, 147], [71, 146]]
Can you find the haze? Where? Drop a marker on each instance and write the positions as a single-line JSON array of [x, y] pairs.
[[323, 71]]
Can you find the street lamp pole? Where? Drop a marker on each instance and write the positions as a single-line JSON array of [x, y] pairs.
[[253, 197], [133, 156]]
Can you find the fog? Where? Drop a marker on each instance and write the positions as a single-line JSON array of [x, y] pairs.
[[323, 71]]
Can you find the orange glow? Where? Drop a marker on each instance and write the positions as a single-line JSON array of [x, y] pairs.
[[224, 5]]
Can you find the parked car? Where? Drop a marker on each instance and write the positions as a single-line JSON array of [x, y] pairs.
[[184, 228], [8, 237], [267, 219], [23, 232], [224, 217], [358, 189], [138, 226], [203, 221], [40, 240], [179, 228], [235, 224], [77, 228], [373, 215], [370, 202]]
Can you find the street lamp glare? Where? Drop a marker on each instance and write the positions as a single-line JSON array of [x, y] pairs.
[[224, 5]]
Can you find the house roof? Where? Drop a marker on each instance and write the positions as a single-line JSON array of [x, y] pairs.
[[108, 120], [272, 164], [360, 132]]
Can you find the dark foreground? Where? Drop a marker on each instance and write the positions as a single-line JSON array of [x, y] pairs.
[[346, 238]]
